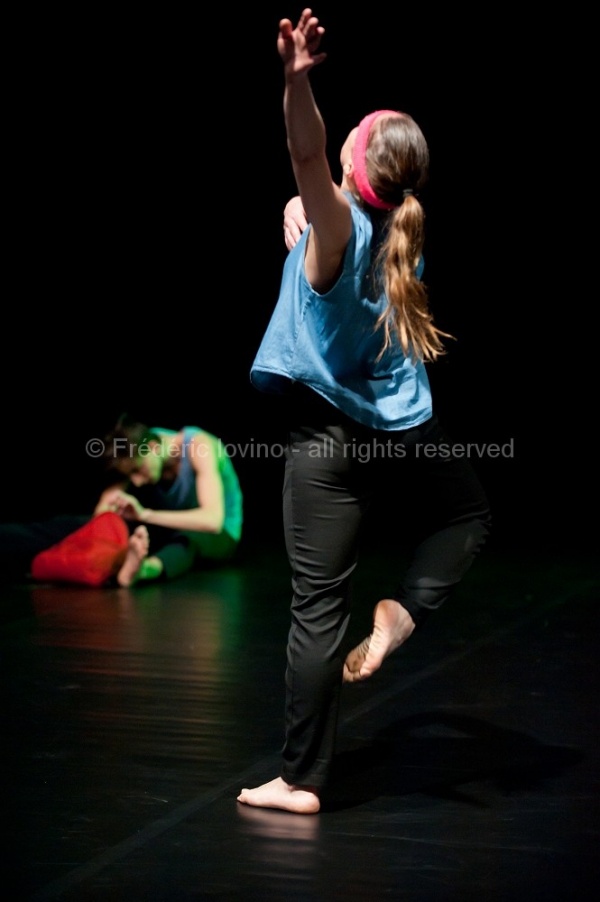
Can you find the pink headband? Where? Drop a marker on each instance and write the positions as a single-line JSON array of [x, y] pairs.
[[359, 160]]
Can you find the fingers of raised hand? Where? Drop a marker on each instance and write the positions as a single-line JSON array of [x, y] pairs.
[[310, 28]]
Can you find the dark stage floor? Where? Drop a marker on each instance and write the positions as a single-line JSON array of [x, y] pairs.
[[468, 767]]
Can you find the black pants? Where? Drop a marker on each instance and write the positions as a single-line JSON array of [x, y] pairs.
[[334, 468]]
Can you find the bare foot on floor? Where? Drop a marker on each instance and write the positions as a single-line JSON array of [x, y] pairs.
[[392, 625], [139, 543], [279, 794]]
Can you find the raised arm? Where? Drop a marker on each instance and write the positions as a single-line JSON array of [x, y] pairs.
[[326, 208]]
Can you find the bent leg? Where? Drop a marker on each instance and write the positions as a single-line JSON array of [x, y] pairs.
[[185, 550], [457, 524], [176, 559]]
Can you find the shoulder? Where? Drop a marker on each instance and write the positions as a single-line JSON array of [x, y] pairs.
[[195, 434], [203, 448]]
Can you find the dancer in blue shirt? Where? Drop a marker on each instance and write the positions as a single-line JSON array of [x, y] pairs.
[[348, 343]]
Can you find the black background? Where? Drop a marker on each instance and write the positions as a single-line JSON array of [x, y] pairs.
[[145, 245]]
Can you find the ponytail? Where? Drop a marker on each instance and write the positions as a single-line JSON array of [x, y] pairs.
[[407, 314]]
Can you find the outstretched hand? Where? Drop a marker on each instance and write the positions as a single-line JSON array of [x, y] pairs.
[[298, 46]]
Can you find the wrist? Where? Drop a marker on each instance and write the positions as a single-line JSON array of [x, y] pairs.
[[145, 515]]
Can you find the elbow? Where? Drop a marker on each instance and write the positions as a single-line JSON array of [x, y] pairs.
[[206, 519], [215, 524]]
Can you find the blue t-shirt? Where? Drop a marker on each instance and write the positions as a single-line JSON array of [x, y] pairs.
[[330, 342]]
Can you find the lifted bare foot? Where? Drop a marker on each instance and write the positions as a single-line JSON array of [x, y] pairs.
[[279, 794], [392, 625], [139, 543]]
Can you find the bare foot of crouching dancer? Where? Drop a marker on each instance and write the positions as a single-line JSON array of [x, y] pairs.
[[279, 794], [137, 552], [392, 625]]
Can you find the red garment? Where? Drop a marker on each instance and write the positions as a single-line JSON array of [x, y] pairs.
[[89, 556]]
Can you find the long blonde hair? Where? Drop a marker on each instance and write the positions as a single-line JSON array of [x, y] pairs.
[[397, 162]]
